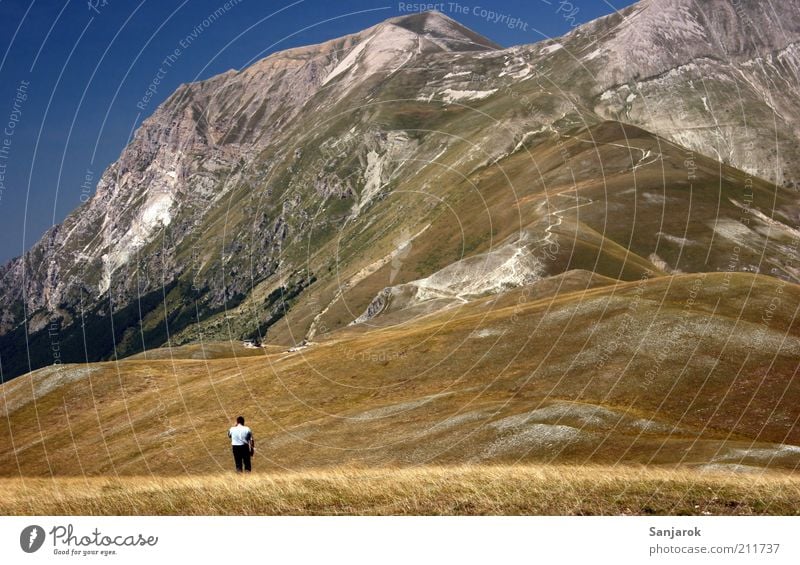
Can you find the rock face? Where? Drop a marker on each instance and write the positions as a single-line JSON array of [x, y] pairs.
[[278, 193], [185, 155], [654, 36], [719, 77], [151, 221]]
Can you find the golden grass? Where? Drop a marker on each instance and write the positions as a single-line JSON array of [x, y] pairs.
[[457, 490]]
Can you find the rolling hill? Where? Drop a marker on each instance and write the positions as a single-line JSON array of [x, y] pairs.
[[664, 370]]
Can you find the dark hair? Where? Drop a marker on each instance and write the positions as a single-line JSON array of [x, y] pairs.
[[240, 420]]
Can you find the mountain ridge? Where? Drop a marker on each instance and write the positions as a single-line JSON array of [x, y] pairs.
[[210, 208]]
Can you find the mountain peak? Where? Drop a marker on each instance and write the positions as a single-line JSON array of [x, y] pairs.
[[442, 30], [390, 45], [429, 31]]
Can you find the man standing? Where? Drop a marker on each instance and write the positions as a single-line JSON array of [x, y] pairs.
[[242, 443]]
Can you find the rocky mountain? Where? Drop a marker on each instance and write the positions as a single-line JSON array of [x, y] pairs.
[[417, 166], [718, 77], [155, 215]]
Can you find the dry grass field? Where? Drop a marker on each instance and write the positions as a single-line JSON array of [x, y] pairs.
[[461, 490]]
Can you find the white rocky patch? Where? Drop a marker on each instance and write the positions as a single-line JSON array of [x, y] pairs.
[[394, 409], [762, 454], [154, 215], [732, 230], [551, 48], [682, 241], [654, 198], [487, 332], [522, 74], [528, 134], [457, 420], [660, 263], [389, 45], [588, 416], [380, 167], [157, 211], [593, 55], [372, 174], [348, 62], [451, 95], [516, 68], [775, 224], [507, 267], [535, 438]]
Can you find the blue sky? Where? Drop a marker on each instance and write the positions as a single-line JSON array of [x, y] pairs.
[[73, 78]]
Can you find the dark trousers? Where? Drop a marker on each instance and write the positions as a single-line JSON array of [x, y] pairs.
[[241, 454]]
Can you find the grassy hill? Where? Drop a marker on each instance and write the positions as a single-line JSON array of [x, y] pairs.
[[678, 370]]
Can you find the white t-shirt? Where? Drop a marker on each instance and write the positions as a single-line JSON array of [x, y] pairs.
[[240, 435]]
